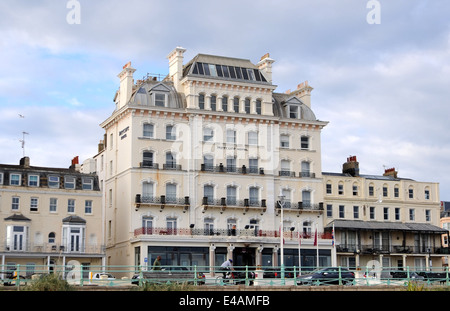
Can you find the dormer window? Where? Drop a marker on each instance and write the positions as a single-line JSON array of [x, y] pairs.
[[88, 183], [160, 99], [33, 180], [293, 108], [69, 182], [159, 95], [293, 112], [14, 179], [53, 181]]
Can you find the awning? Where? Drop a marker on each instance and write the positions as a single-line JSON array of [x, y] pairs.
[[379, 225]]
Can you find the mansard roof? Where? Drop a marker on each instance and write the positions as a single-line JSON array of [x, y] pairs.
[[281, 100], [142, 95], [226, 68]]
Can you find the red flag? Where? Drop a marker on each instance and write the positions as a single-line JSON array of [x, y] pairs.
[[315, 238]]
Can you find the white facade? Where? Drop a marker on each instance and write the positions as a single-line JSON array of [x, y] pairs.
[[193, 167], [190, 162]]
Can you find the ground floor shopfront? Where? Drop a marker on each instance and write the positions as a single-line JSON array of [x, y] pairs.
[[209, 258], [28, 264]]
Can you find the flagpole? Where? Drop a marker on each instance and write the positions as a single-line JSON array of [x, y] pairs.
[[281, 200], [333, 242], [317, 247], [299, 254]]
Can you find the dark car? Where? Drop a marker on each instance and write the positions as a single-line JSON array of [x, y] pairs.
[[275, 272], [440, 277], [404, 275], [325, 276]]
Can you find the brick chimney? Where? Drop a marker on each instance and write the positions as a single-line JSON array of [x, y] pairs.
[[390, 172], [351, 166], [75, 164]]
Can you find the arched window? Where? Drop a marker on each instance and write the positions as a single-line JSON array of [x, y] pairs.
[[306, 229], [171, 162], [147, 224], [225, 103], [306, 169], [51, 237], [254, 196], [208, 193], [147, 190], [171, 193], [231, 195], [148, 130], [201, 101], [209, 226], [147, 159], [236, 104], [306, 198], [258, 106], [304, 142], [213, 102]]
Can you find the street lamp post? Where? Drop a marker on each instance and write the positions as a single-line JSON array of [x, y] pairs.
[[281, 202]]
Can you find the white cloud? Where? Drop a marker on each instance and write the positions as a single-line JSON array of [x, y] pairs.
[[383, 88]]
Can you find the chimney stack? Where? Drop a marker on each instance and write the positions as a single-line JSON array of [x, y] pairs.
[[25, 162], [75, 164], [176, 66], [351, 166], [101, 146], [126, 84], [303, 92], [390, 172], [265, 65]]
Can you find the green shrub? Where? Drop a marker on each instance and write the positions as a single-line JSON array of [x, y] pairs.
[[49, 282], [415, 286]]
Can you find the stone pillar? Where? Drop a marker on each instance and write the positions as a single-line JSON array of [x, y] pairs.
[[212, 259]]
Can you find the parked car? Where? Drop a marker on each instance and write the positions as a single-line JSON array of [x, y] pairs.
[[327, 276], [440, 277], [404, 275], [103, 276], [275, 272]]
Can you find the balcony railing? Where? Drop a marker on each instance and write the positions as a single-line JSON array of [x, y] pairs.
[[248, 231], [233, 202], [149, 164], [172, 166], [301, 206], [231, 169], [161, 200], [286, 173], [388, 249], [307, 174], [53, 248]]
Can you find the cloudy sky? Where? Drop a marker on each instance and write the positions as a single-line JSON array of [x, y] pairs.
[[384, 87]]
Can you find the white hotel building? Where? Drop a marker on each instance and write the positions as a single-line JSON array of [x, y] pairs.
[[192, 167]]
